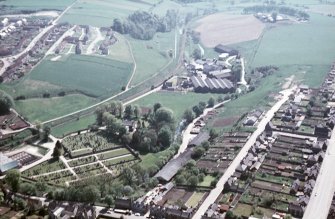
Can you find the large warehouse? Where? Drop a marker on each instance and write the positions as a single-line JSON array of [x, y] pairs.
[[212, 85]]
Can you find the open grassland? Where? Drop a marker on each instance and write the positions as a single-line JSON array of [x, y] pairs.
[[151, 56], [323, 9], [101, 13], [120, 51], [91, 75], [42, 109], [311, 43], [73, 126], [37, 4], [30, 88], [178, 102], [222, 28]]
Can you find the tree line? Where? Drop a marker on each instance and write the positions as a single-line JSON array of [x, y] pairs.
[[280, 9], [143, 25]]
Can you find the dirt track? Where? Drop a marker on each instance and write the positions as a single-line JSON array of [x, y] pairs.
[[228, 29]]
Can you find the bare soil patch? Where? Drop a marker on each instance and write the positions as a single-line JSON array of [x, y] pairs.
[[228, 29], [224, 121]]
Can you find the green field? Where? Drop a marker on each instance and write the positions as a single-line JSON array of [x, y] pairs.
[[178, 102], [37, 4], [92, 75], [101, 13], [73, 126], [311, 43], [151, 56], [43, 109]]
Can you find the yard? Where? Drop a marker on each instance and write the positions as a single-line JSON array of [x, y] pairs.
[[243, 210], [207, 181], [194, 200]]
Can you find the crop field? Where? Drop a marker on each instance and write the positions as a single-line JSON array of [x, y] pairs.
[[101, 13], [178, 102], [90, 74], [223, 28], [43, 109]]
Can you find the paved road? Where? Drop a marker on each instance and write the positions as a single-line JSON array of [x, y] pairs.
[[324, 189], [213, 195], [187, 136], [242, 81]]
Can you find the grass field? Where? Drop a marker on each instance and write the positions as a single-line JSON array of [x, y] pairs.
[[73, 126], [176, 101], [151, 56], [310, 43], [120, 51], [93, 75], [43, 109], [101, 13], [37, 4]]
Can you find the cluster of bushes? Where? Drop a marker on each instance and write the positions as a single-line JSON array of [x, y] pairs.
[[280, 9], [143, 25]]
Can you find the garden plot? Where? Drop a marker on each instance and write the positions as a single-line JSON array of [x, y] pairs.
[[113, 153], [87, 143], [56, 178], [45, 167], [89, 170], [194, 200]]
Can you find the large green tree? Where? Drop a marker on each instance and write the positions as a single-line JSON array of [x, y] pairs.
[[13, 179]]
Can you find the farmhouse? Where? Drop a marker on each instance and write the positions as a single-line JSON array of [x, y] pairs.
[[224, 49]]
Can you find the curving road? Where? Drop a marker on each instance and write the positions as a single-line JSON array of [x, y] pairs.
[[213, 195]]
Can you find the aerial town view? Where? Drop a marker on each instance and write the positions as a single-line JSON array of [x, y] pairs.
[[167, 109]]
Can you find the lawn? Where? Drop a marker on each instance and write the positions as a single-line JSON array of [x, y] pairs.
[[43, 109], [178, 102], [243, 210], [73, 126], [113, 153], [194, 199], [120, 51], [207, 181], [92, 75]]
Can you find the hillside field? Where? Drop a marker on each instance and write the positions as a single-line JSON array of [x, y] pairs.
[[43, 109], [91, 75]]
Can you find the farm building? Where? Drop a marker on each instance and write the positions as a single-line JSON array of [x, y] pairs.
[[224, 73], [224, 49], [173, 166], [212, 85], [7, 163], [199, 139]]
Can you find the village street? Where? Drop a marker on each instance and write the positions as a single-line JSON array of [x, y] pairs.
[[322, 195], [10, 59], [213, 195]]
